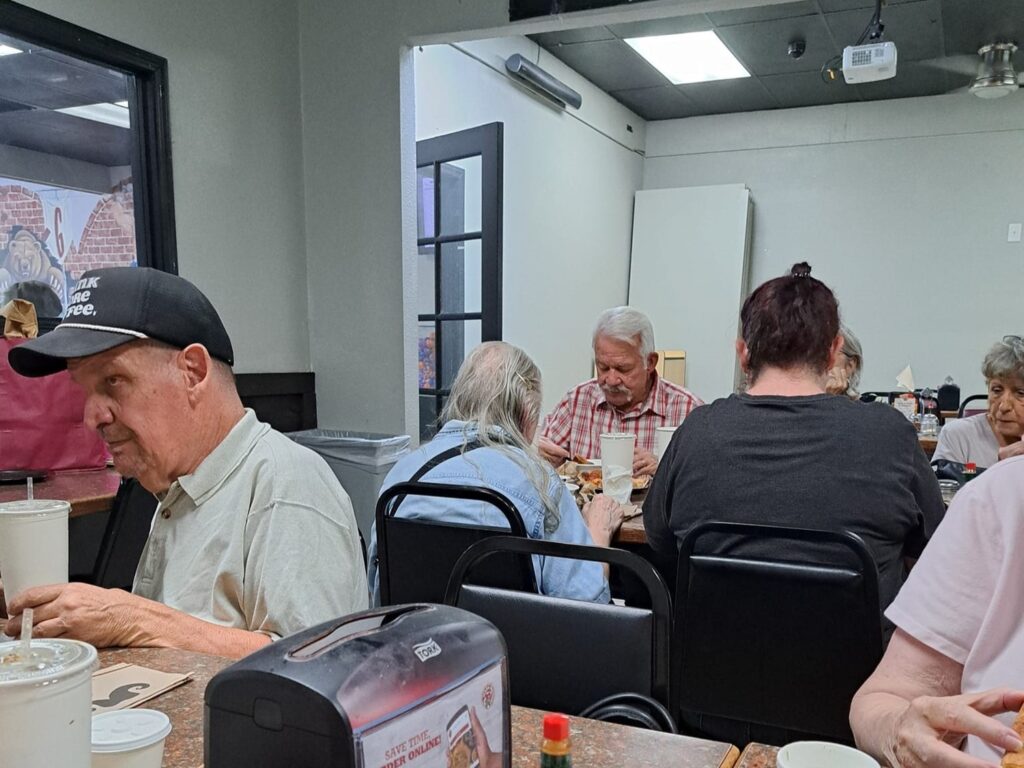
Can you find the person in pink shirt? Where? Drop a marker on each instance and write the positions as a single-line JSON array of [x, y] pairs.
[[945, 692], [627, 395]]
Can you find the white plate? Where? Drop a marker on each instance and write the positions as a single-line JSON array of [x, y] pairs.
[[821, 754]]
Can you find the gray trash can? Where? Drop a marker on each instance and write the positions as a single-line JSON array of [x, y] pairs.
[[360, 460]]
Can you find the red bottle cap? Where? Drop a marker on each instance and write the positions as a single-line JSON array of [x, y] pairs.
[[556, 727], [970, 466]]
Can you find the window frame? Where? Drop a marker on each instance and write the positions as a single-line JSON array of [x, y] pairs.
[[487, 142], [152, 180]]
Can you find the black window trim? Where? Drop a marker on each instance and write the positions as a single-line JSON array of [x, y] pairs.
[[152, 182]]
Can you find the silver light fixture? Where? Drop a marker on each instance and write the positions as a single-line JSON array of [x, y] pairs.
[[543, 82], [996, 76]]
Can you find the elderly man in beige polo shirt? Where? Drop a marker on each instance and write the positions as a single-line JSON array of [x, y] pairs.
[[254, 537]]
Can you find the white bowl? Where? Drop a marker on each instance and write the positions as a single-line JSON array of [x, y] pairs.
[[573, 488], [822, 754]]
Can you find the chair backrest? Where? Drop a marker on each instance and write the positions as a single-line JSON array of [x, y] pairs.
[[770, 649], [128, 526], [565, 655], [964, 411], [671, 366], [415, 557]]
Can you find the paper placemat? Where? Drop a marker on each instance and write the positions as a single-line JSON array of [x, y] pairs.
[[127, 685]]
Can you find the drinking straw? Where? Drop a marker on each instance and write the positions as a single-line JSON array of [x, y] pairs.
[[30, 489], [26, 634]]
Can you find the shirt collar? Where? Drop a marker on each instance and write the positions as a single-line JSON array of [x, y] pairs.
[[654, 402], [222, 460]]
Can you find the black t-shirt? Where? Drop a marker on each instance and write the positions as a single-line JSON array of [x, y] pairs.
[[816, 461]]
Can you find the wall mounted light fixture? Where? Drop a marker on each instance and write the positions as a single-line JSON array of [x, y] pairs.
[[544, 82]]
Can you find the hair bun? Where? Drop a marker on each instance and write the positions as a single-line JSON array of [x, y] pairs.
[[803, 269]]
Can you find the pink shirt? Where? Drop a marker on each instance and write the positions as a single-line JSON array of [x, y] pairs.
[[583, 414], [965, 596]]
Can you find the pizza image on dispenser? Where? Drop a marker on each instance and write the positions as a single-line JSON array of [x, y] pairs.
[[461, 742]]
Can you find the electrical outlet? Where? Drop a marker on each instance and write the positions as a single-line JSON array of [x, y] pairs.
[[1013, 233]]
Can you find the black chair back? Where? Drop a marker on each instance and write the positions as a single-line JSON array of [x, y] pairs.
[[566, 655], [971, 399], [415, 557], [769, 649], [128, 526]]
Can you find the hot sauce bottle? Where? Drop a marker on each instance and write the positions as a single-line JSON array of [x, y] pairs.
[[555, 749]]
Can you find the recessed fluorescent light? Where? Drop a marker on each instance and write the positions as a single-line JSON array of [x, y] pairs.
[[691, 57], [111, 114], [7, 50]]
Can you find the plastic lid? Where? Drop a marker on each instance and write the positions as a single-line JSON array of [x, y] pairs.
[[49, 659], [556, 727], [34, 508], [128, 729]]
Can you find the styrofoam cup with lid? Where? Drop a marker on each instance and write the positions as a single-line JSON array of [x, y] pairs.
[[46, 703], [33, 544], [129, 738]]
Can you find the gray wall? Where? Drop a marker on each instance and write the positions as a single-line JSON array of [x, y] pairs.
[[901, 206], [237, 157]]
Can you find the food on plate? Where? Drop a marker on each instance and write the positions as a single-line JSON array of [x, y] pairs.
[[592, 478], [1016, 759]]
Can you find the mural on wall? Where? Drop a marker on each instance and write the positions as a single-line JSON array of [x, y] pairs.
[[49, 236]]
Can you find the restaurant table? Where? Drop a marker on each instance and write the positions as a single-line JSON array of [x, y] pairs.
[[757, 756], [89, 491], [595, 744]]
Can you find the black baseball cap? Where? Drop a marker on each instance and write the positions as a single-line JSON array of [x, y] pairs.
[[113, 306]]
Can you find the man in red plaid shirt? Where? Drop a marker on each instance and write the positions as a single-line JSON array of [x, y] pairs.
[[627, 396]]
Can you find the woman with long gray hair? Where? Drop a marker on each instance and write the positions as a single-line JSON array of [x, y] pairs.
[[491, 416]]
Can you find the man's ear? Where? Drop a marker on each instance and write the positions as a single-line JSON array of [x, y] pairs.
[[197, 367], [652, 361]]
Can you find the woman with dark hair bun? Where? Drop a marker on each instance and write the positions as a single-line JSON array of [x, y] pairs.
[[785, 452]]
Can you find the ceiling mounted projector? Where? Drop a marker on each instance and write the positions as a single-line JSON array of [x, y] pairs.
[[868, 63]]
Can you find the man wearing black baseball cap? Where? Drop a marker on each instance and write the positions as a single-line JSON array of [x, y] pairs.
[[254, 537]]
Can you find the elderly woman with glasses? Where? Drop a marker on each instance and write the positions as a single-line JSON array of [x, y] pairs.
[[844, 376], [995, 435]]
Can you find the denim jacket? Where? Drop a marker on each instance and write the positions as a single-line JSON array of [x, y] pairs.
[[490, 468]]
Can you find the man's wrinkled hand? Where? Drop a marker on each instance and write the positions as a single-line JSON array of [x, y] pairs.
[[100, 617], [553, 453], [644, 463], [932, 728]]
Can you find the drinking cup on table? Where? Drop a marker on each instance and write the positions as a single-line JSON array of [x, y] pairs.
[[46, 704], [129, 738], [33, 544], [662, 437], [617, 464], [816, 754]]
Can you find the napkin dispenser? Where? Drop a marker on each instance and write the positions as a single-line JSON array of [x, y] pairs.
[[410, 686]]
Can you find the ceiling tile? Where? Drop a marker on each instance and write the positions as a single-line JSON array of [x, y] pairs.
[[805, 89], [763, 13], [676, 25], [911, 79], [916, 28], [762, 46], [54, 133], [661, 103], [742, 94], [610, 65], [45, 80], [563, 36], [970, 24], [830, 6]]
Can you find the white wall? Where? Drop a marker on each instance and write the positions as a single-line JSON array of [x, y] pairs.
[[900, 206], [359, 151], [237, 157], [568, 193]]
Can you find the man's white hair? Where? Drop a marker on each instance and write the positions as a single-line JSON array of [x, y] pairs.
[[629, 325]]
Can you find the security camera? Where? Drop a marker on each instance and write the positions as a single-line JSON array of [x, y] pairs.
[[796, 49]]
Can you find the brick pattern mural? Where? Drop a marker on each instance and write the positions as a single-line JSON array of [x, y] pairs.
[[52, 235]]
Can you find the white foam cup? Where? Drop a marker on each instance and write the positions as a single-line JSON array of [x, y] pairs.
[[662, 437], [46, 704], [129, 738], [33, 544], [822, 754], [617, 464]]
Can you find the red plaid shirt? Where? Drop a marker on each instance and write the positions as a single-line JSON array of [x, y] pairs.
[[578, 420]]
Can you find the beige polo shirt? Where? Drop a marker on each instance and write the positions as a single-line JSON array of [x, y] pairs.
[[260, 537]]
